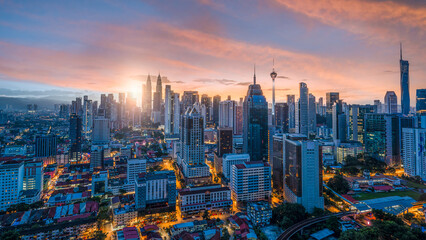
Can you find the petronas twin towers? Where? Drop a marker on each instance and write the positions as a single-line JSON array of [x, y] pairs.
[[152, 109]]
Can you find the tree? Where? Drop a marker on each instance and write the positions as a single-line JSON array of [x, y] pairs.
[[206, 215], [260, 235], [422, 197], [288, 214], [122, 191], [225, 234], [333, 224], [99, 235], [409, 216], [318, 212], [339, 184], [10, 235]]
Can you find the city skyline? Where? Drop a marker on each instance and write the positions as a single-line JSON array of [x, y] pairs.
[[47, 47]]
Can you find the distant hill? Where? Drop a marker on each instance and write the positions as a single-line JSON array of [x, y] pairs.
[[21, 103]]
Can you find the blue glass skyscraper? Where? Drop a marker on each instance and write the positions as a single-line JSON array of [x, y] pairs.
[[255, 128], [405, 85]]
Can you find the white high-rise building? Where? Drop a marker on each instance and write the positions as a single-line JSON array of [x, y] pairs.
[[227, 113], [33, 175], [101, 131], [87, 117], [134, 167], [251, 181], [413, 151], [11, 183], [302, 167], [231, 159]]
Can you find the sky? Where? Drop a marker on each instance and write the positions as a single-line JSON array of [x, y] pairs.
[[58, 48]]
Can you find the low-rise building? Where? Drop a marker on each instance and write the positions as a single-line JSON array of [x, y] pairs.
[[124, 216], [211, 197], [156, 189], [259, 213]]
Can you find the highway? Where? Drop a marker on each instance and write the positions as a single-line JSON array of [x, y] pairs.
[[289, 232]]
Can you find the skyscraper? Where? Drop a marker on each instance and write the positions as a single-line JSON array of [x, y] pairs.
[[356, 120], [312, 114], [216, 103], [281, 116], [101, 131], [189, 98], [330, 99], [158, 98], [405, 84], [11, 183], [147, 97], [45, 148], [192, 144], [75, 138], [224, 141], [391, 102], [421, 101], [302, 115], [207, 101], [413, 156], [273, 76], [339, 122], [255, 123], [302, 172], [291, 102], [87, 117]]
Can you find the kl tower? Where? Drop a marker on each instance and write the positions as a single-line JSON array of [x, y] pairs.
[[273, 76]]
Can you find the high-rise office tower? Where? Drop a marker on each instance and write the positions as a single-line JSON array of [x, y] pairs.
[[87, 117], [11, 183], [207, 101], [155, 189], [291, 102], [45, 148], [391, 102], [405, 84], [96, 157], [121, 114], [158, 98], [176, 113], [227, 113], [302, 115], [101, 131], [147, 97], [277, 162], [192, 143], [339, 122], [75, 138], [330, 99], [321, 107], [379, 106], [134, 168], [168, 110], [382, 136], [224, 141], [255, 123], [238, 128], [45, 145], [421, 101], [33, 175], [413, 156], [281, 116], [189, 98], [302, 172], [312, 115], [251, 181], [356, 120], [216, 103]]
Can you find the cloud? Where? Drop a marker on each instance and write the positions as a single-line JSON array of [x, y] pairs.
[[283, 77], [244, 83], [212, 81]]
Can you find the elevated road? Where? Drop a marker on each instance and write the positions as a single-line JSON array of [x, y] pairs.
[[289, 232]]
